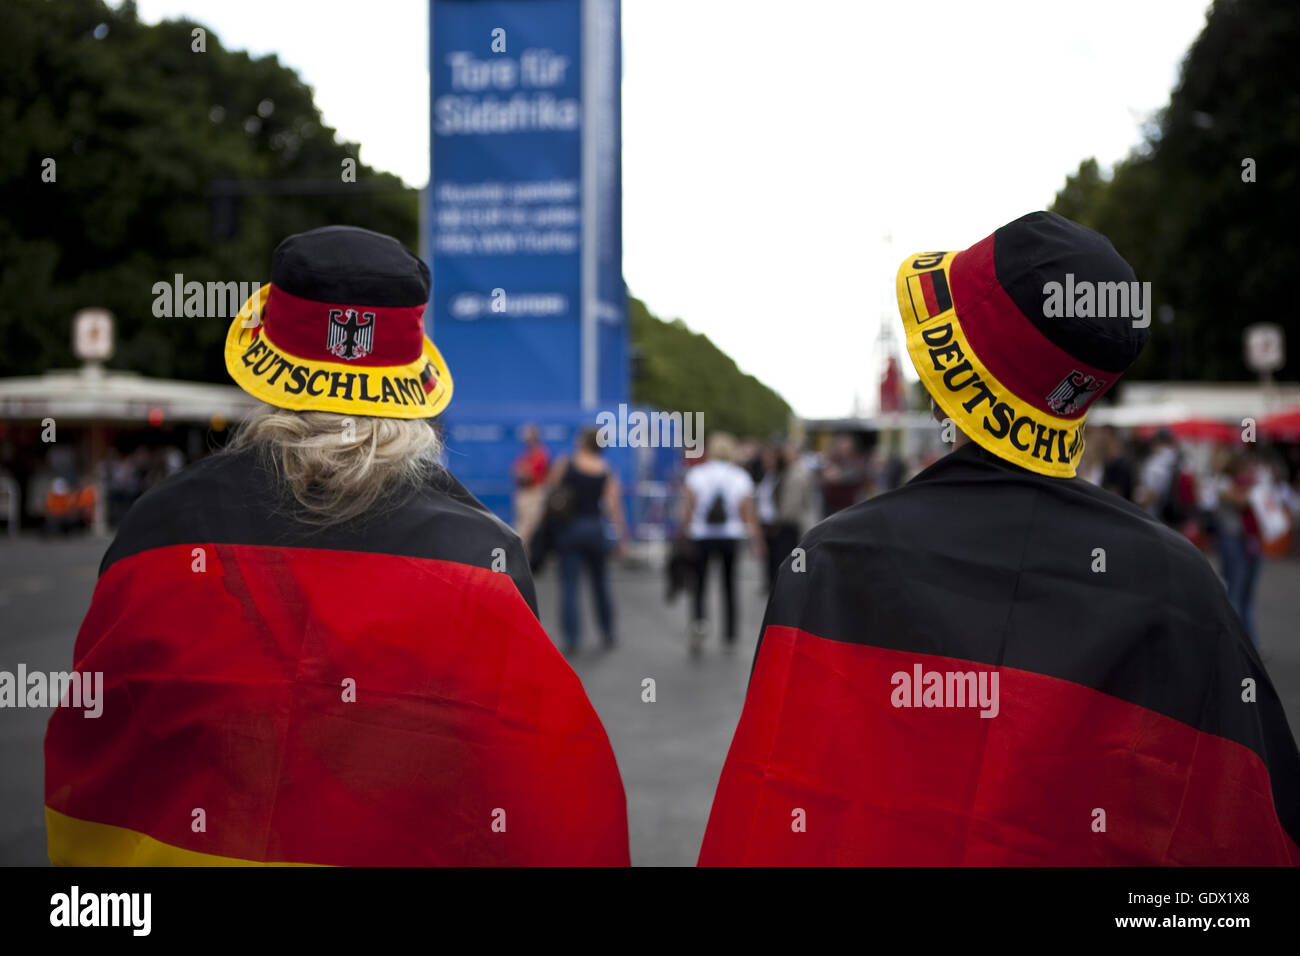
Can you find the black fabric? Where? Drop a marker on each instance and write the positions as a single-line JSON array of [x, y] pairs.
[[349, 266], [717, 513], [1043, 247], [560, 501], [981, 560], [724, 549], [587, 491], [234, 498], [780, 539], [680, 568], [1117, 476]]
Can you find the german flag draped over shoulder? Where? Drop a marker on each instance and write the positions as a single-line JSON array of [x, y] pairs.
[[993, 667], [370, 694]]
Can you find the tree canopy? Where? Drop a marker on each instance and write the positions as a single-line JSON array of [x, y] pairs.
[[166, 160], [678, 369], [1219, 250]]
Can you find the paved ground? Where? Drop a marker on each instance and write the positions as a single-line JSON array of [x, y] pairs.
[[670, 752]]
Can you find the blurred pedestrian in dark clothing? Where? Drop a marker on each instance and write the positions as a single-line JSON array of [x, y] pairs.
[[1237, 535], [122, 483], [752, 457], [585, 491], [1157, 489], [845, 475], [894, 471], [1117, 468], [782, 500]]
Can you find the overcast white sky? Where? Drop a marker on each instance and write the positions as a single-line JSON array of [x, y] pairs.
[[781, 158]]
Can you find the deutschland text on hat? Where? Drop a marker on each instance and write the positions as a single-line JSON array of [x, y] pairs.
[[1014, 373], [340, 329]]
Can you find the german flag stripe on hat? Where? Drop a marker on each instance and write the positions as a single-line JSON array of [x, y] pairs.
[[340, 329], [928, 294]]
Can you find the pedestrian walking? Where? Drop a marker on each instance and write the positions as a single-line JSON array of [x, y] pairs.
[[1236, 534], [591, 494], [530, 470], [718, 513], [783, 497]]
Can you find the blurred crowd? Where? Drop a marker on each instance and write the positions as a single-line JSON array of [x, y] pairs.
[[1233, 500], [66, 494], [1236, 499]]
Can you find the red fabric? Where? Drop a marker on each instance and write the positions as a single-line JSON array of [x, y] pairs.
[[1195, 429], [1010, 346], [533, 465], [1283, 426], [1249, 523], [881, 785], [301, 328], [223, 690], [892, 396], [927, 292]]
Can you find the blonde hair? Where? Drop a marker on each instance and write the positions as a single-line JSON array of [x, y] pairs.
[[339, 466], [721, 447]]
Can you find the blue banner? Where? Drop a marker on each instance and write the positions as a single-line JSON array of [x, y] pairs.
[[524, 221]]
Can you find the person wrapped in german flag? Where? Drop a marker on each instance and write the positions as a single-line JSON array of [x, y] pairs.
[[999, 663], [317, 647]]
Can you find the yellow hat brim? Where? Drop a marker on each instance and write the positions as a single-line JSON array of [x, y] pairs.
[[274, 376], [996, 420]]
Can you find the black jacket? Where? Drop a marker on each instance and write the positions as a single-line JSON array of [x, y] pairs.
[[1135, 723]]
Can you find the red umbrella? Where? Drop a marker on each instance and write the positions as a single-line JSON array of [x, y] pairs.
[[1281, 426], [1196, 429]]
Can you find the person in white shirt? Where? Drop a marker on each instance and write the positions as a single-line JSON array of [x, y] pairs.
[[1156, 491], [718, 513]]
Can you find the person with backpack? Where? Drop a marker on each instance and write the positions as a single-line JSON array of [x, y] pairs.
[[718, 513]]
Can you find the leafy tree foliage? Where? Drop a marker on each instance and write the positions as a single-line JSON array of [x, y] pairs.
[[167, 161], [681, 370], [1220, 252]]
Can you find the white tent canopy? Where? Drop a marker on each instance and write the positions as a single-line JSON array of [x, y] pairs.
[[94, 394], [1164, 403]]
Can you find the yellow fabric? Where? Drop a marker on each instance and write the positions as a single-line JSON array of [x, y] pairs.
[[398, 397], [74, 842], [998, 421]]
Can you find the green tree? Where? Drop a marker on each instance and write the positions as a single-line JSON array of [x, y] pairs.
[[681, 370], [167, 161], [1220, 252]]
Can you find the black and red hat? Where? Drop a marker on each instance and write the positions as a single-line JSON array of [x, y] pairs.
[[1018, 335], [340, 328]]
